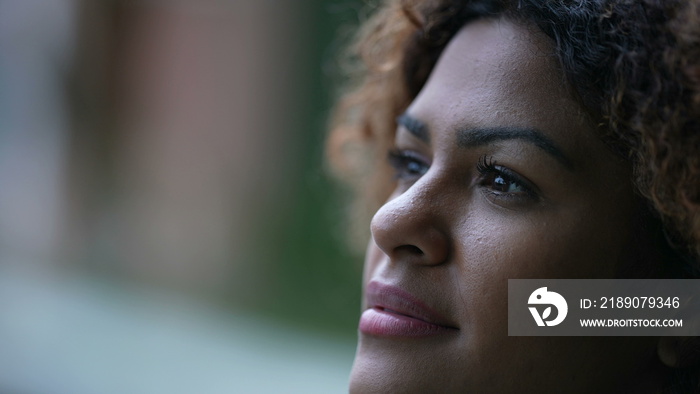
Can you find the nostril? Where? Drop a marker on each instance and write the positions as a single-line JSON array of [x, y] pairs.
[[410, 249]]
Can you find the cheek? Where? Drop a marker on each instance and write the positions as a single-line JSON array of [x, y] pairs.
[[563, 246], [493, 249]]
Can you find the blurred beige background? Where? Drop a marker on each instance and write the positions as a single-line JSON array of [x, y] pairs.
[[165, 221]]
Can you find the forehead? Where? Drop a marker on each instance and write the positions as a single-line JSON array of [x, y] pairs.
[[498, 73]]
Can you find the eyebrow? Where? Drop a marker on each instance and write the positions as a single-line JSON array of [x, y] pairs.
[[480, 136], [414, 126], [475, 137]]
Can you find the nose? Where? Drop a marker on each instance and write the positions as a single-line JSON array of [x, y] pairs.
[[411, 228]]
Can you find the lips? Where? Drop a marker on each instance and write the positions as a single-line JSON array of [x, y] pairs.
[[392, 312]]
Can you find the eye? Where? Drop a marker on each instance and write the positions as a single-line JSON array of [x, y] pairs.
[[407, 164], [503, 183]]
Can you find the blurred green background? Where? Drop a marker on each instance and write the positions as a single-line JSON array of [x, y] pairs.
[[166, 221]]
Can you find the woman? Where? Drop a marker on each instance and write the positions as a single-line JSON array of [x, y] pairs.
[[520, 139]]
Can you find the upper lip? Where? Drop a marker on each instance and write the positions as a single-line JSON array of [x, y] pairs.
[[396, 300]]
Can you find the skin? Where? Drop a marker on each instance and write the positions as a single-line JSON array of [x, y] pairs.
[[452, 235]]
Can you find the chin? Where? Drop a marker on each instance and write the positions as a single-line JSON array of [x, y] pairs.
[[402, 370]]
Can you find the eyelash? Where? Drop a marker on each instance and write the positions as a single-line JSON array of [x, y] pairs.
[[409, 166]]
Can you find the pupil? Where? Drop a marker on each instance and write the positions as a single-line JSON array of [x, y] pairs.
[[500, 184]]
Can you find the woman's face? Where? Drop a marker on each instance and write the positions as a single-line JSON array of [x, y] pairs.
[[500, 176]]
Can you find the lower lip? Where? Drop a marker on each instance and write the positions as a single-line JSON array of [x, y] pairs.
[[379, 322]]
